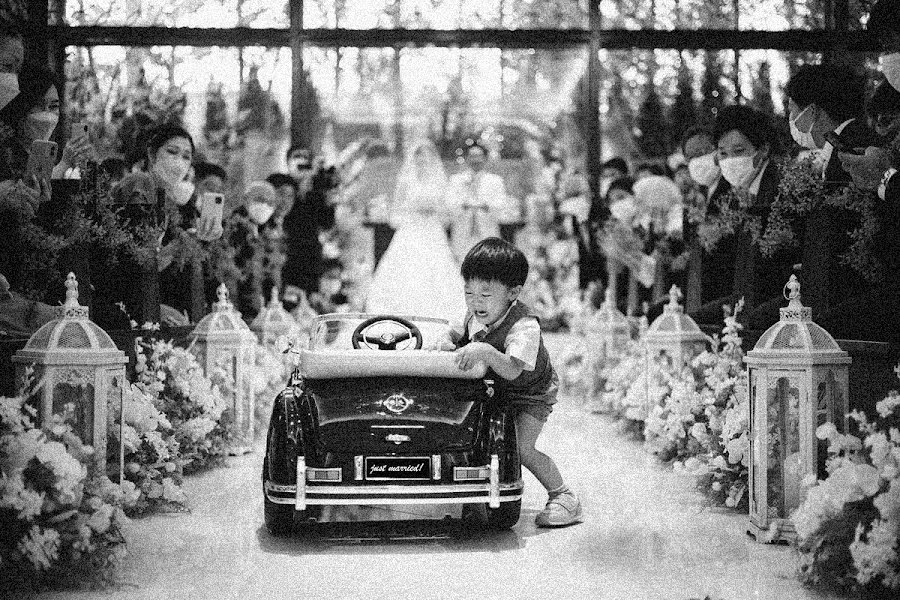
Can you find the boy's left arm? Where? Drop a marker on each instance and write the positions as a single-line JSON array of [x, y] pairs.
[[521, 347]]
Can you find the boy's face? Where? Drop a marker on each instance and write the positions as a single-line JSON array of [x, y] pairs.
[[489, 300]]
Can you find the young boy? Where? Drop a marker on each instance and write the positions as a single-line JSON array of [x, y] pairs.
[[503, 332]]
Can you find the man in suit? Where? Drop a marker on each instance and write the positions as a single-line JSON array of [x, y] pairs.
[[822, 100], [481, 197]]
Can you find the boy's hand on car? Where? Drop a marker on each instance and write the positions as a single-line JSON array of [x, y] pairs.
[[473, 353]]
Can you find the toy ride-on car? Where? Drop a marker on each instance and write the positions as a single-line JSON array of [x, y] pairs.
[[372, 418]]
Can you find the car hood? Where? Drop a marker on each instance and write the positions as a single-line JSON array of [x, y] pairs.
[[396, 414]]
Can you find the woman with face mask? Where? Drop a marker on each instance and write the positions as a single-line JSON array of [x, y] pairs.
[[254, 236], [164, 194]]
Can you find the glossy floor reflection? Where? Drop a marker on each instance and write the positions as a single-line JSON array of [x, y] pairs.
[[645, 535]]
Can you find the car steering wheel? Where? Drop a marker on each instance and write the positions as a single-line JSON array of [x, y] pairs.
[[387, 340]]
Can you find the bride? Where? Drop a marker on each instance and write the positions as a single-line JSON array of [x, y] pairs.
[[417, 274]]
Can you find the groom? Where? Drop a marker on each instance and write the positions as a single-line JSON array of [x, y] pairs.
[[482, 199]]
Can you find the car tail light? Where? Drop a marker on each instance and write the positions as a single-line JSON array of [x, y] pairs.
[[333, 474], [470, 473]]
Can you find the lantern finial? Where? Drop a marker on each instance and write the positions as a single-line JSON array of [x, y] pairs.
[[71, 308], [675, 295], [274, 298], [795, 311], [222, 293]]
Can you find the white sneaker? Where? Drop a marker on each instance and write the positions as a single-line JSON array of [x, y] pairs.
[[562, 510]]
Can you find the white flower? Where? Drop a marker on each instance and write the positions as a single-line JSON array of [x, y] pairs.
[[100, 520], [40, 547], [68, 471]]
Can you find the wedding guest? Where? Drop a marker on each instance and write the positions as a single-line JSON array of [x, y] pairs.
[[710, 272], [883, 112], [746, 144], [310, 215], [113, 168], [824, 99], [245, 232], [12, 55], [164, 196], [481, 198]]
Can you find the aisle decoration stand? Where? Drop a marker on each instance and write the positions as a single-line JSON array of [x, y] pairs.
[[223, 341], [73, 361], [798, 379], [273, 321], [608, 335]]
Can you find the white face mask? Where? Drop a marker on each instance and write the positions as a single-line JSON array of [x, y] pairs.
[[704, 170], [9, 88], [182, 192], [890, 66], [330, 286], [260, 212], [40, 125], [737, 170], [803, 138], [171, 169]]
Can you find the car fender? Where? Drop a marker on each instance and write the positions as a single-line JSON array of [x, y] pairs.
[[285, 438]]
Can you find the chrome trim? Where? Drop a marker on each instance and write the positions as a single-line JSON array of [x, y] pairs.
[[300, 487], [436, 467], [397, 438], [358, 467], [477, 493], [396, 427], [494, 501]]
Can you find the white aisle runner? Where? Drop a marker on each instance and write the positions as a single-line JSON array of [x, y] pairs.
[[645, 536]]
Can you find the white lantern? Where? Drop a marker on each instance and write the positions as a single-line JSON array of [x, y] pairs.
[[608, 333], [75, 362], [798, 379], [674, 337], [273, 321], [223, 341]]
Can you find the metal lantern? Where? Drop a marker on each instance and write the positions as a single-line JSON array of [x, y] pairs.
[[608, 334], [73, 361], [222, 340], [798, 379], [674, 337], [273, 321]]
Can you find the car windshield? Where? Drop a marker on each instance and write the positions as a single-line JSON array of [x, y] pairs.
[[335, 331]]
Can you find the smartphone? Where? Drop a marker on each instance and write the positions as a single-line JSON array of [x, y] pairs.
[[212, 205], [842, 145], [78, 130], [41, 159]]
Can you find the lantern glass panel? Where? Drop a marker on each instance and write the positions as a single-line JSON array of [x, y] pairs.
[[81, 397], [783, 440], [754, 460]]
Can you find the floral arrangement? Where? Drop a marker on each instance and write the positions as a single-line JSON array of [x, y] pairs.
[[59, 524], [152, 461], [268, 378], [848, 525], [187, 398], [722, 422]]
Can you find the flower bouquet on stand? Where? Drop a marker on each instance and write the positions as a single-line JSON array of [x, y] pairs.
[[60, 524], [190, 401], [848, 525]]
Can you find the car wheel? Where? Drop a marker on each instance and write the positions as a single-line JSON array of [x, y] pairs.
[[504, 517], [278, 518]]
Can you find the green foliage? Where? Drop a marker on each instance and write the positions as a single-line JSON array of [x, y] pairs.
[[652, 124], [683, 114], [712, 91]]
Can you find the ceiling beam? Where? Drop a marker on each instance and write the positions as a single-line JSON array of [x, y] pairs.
[[616, 39]]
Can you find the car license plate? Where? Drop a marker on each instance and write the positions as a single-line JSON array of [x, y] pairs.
[[396, 468]]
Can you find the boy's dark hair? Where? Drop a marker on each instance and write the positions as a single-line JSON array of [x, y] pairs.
[[753, 124], [281, 179], [202, 170], [837, 90], [493, 259]]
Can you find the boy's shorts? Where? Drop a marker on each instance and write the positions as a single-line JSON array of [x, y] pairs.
[[539, 410]]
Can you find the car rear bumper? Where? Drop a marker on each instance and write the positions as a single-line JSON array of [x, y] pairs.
[[491, 492]]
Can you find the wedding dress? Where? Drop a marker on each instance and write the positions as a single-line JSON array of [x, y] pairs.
[[418, 274]]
